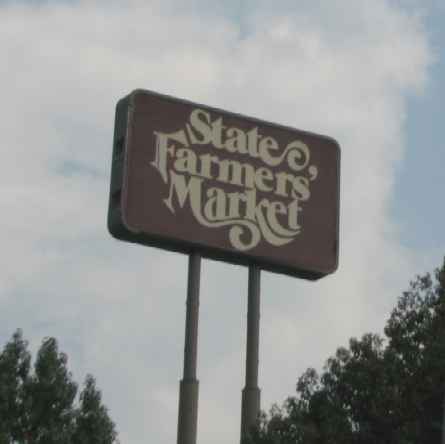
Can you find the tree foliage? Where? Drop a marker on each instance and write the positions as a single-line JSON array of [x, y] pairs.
[[378, 390], [40, 406]]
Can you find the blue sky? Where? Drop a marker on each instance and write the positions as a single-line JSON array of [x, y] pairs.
[[369, 74], [417, 204]]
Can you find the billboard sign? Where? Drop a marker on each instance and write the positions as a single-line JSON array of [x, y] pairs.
[[188, 177]]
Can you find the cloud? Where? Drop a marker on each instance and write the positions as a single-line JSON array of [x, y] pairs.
[[118, 309]]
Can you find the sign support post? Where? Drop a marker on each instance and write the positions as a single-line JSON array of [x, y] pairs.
[[189, 385], [250, 407]]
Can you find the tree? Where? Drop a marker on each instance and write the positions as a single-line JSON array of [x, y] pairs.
[[40, 407], [93, 424], [379, 390], [14, 369]]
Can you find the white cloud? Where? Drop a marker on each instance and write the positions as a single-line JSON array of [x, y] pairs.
[[118, 309]]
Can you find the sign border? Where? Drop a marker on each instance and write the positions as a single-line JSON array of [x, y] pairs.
[[116, 219]]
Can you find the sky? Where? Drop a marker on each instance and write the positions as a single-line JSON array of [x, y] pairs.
[[369, 74]]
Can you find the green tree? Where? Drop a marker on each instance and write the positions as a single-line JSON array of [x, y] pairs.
[[40, 407], [14, 369], [378, 390], [93, 424]]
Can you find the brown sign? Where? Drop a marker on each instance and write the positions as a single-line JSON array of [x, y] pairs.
[[188, 177]]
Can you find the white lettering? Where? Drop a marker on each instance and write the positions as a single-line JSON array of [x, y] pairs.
[[191, 175]]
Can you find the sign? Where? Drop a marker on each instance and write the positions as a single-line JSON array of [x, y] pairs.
[[187, 177]]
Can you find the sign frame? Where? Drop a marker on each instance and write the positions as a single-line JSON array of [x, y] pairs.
[[118, 227]]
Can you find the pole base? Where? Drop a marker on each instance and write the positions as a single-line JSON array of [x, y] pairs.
[[250, 409], [188, 411]]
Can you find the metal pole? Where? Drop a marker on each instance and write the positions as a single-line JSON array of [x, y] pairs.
[[250, 408], [189, 385]]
